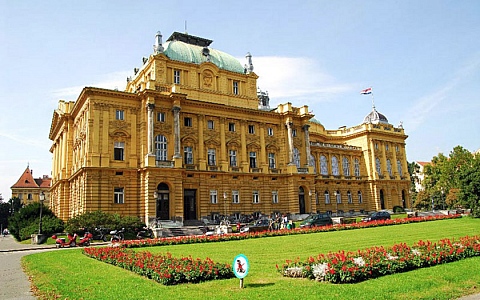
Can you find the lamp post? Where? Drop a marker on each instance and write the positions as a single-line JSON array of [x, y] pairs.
[[42, 198], [225, 203], [336, 203]]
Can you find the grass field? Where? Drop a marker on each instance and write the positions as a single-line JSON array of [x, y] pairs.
[[68, 274]]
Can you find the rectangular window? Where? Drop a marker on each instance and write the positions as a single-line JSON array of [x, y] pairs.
[[210, 124], [212, 160], [176, 76], [251, 129], [119, 115], [118, 150], [235, 197], [160, 117], [349, 196], [233, 158], [271, 160], [235, 87], [118, 195], [327, 198], [294, 132], [256, 197], [187, 121], [188, 155], [231, 127], [29, 197], [253, 159], [213, 197], [270, 131], [275, 197]]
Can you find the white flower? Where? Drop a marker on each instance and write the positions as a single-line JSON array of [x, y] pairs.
[[319, 271], [416, 252], [390, 257], [294, 272], [359, 261]]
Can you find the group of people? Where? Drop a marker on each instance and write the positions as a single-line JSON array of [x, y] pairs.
[[277, 222]]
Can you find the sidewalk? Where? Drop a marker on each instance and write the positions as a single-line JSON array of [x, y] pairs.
[[15, 283]]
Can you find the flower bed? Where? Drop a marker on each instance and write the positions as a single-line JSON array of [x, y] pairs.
[[350, 267], [282, 232], [164, 269]]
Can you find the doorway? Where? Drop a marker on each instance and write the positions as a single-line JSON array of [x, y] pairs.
[[163, 202], [301, 200], [189, 205]]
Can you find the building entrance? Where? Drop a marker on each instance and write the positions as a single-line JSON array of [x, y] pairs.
[[189, 205]]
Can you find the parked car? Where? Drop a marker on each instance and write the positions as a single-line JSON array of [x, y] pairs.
[[256, 226], [378, 215], [317, 220]]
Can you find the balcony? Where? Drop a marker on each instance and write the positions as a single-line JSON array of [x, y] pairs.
[[164, 163], [302, 170]]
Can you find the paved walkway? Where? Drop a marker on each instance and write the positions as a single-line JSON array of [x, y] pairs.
[[15, 284]]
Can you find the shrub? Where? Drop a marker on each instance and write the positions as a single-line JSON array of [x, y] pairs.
[[398, 209], [25, 222], [91, 220]]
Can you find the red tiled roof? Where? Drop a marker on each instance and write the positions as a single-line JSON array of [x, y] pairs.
[[424, 163], [27, 181]]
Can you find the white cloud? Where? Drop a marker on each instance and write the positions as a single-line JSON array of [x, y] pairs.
[[296, 79], [114, 80], [425, 106]]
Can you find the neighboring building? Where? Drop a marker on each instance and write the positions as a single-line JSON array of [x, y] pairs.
[[419, 174], [191, 137], [28, 189]]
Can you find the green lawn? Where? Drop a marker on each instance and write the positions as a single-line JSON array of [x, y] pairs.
[[68, 274]]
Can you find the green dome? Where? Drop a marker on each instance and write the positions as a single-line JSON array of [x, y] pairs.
[[181, 51]]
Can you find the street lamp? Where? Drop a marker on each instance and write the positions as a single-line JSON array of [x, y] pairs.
[[336, 203], [225, 202], [42, 198]]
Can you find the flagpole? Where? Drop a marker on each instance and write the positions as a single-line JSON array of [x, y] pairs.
[[373, 100]]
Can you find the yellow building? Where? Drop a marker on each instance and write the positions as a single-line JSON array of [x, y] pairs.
[[191, 137], [28, 189]]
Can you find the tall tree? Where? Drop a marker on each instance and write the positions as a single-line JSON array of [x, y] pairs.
[[469, 182]]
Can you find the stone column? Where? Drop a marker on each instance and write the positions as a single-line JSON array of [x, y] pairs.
[[307, 143], [150, 108], [290, 142], [176, 128]]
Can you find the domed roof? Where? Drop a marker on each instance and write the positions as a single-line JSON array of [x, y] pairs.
[[189, 53], [313, 120], [374, 117]]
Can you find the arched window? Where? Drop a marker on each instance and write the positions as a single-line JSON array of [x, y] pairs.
[[323, 165], [311, 162], [389, 167], [346, 166], [296, 157], [349, 197], [378, 166], [160, 148], [327, 197], [360, 199], [399, 168], [356, 165], [335, 170]]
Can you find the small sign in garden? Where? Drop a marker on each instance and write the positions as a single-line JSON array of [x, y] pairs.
[[240, 267]]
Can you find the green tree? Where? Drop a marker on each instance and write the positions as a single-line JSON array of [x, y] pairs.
[[25, 222], [469, 183]]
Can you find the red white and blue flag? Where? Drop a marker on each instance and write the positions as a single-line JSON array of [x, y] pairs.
[[366, 91]]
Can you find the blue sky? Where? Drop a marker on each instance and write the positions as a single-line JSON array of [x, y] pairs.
[[422, 59]]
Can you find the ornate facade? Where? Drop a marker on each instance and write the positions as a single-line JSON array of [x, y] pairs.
[[191, 137]]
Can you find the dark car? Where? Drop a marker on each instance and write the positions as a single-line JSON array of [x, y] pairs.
[[317, 220], [378, 215], [256, 226]]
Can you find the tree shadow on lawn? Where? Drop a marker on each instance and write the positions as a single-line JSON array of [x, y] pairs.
[[258, 285]]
